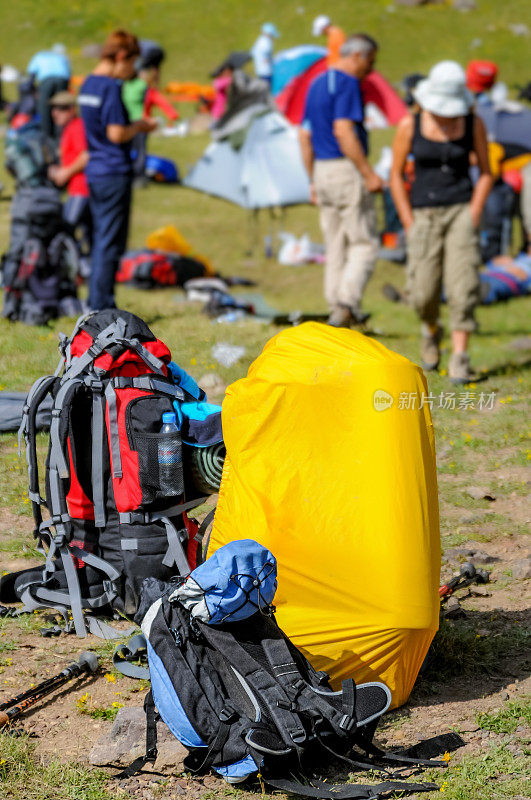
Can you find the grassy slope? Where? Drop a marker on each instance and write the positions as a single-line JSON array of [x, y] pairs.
[[196, 36]]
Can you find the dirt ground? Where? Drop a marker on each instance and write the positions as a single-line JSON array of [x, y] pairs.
[[434, 707]]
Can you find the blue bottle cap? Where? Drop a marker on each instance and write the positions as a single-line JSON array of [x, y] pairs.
[[169, 416]]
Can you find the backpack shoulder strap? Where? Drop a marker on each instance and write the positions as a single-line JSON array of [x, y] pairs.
[[28, 429], [271, 692], [346, 791]]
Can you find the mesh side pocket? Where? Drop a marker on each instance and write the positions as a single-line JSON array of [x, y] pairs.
[[150, 477], [148, 456]]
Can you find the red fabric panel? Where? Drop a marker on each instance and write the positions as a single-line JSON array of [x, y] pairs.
[[127, 490], [78, 504], [128, 364], [292, 99], [193, 548], [375, 89], [73, 143], [155, 98]]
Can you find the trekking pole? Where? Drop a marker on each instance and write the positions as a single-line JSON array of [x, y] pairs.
[[11, 709], [468, 574]]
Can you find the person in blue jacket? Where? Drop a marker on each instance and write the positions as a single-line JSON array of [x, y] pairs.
[[50, 69], [109, 170]]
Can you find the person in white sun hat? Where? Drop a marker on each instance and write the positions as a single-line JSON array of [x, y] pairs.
[[442, 213], [335, 37]]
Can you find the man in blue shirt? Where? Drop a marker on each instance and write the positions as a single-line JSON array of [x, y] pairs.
[[51, 71], [334, 148]]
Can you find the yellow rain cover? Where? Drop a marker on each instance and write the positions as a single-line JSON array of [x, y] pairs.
[[330, 467]]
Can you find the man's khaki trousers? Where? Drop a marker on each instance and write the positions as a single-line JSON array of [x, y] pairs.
[[348, 223]]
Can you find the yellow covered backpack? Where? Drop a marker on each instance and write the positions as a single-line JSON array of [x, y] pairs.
[[331, 466]]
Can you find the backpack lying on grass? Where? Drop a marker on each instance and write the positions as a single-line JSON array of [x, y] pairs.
[[148, 269], [239, 695], [111, 522]]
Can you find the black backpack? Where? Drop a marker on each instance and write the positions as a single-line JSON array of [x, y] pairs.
[[239, 695], [28, 154], [110, 523]]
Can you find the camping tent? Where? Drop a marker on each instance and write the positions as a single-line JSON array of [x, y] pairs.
[[376, 90], [267, 170], [254, 159], [330, 469], [289, 64]]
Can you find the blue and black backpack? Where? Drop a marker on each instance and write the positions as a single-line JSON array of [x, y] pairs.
[[234, 690]]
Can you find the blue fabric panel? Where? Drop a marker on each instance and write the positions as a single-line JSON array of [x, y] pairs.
[[240, 768], [186, 381], [237, 580], [199, 411], [200, 425], [289, 64], [168, 703], [164, 168]]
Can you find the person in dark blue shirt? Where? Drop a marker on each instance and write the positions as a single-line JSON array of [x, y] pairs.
[[334, 147], [109, 169]]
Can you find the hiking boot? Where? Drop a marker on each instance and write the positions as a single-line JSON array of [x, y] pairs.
[[359, 317], [393, 294], [459, 369], [340, 317], [429, 348]]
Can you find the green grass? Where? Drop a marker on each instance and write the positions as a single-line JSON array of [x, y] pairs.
[[493, 775], [461, 648], [24, 776], [198, 36], [85, 705], [508, 718]]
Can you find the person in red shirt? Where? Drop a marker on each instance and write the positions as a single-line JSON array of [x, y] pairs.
[[69, 173]]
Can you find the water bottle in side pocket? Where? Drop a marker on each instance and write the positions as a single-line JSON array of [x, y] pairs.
[[170, 457]]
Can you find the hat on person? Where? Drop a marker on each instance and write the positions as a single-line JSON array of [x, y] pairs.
[[319, 24], [64, 98], [270, 29], [481, 75], [444, 91], [235, 60], [408, 84]]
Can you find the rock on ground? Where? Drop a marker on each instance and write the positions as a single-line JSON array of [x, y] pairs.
[[126, 741]]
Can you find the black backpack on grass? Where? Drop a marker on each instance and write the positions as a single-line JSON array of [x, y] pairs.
[[233, 688], [110, 523]]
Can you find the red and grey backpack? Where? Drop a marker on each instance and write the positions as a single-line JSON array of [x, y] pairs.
[[110, 524], [146, 269]]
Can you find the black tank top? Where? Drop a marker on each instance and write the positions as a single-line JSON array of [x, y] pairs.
[[442, 168]]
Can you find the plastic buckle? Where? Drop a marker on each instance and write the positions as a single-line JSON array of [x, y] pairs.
[[95, 384], [227, 715], [137, 517], [286, 706], [152, 754], [109, 587], [298, 735], [347, 723]]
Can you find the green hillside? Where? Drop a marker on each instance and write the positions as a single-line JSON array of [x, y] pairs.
[[197, 35]]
